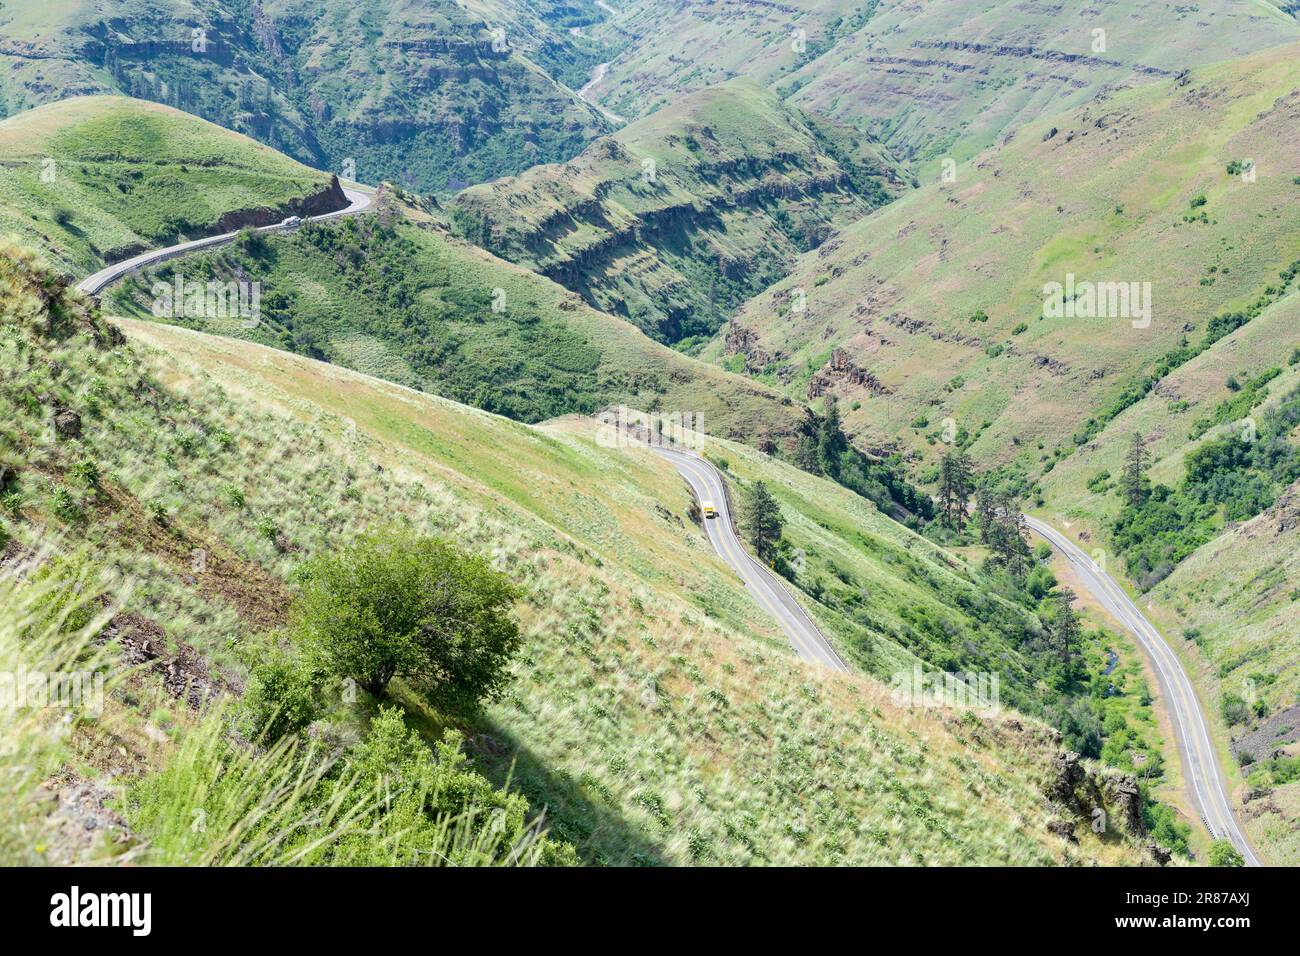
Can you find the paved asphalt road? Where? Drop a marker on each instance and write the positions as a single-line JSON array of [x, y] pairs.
[[766, 588], [1205, 782], [94, 284]]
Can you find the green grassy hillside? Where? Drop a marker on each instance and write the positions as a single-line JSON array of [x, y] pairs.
[[394, 295], [929, 315], [94, 179], [929, 79], [654, 713], [676, 219], [426, 93]]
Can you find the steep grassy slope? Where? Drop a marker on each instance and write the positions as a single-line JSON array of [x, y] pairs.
[[1231, 604], [135, 754], [630, 702], [654, 712], [929, 79], [94, 179], [930, 313], [425, 93], [674, 220], [395, 296]]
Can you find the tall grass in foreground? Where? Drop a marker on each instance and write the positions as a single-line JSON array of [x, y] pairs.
[[217, 800], [220, 802], [47, 625]]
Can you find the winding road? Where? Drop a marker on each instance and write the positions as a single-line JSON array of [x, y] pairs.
[[1205, 782], [598, 73], [809, 642], [96, 283]]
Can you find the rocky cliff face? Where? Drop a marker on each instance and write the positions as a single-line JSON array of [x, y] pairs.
[[426, 95], [330, 199], [1104, 800], [675, 220]]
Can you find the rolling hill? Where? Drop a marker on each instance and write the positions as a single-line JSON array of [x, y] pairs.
[[931, 318], [676, 219], [395, 296], [96, 179], [930, 80]]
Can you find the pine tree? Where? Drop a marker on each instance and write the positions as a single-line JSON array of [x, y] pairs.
[[948, 489], [831, 443], [805, 455], [955, 480], [1002, 529], [1017, 545], [987, 517], [760, 520], [965, 484], [1065, 629], [1133, 483]]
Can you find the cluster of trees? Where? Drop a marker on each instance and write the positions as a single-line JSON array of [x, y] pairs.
[[1002, 530], [1230, 478], [1000, 523], [956, 485], [825, 450]]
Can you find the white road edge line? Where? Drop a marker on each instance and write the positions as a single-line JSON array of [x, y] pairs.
[[1204, 778], [803, 633]]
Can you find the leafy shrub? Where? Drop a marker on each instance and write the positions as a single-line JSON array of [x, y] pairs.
[[1164, 827], [280, 699], [1223, 853], [1235, 710], [396, 605], [64, 505], [266, 527]]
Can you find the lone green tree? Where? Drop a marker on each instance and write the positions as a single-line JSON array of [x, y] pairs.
[[1133, 484], [831, 443], [760, 520], [394, 604], [1065, 629], [955, 481]]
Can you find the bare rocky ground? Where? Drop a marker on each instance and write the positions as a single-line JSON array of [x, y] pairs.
[[1272, 737], [82, 829]]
